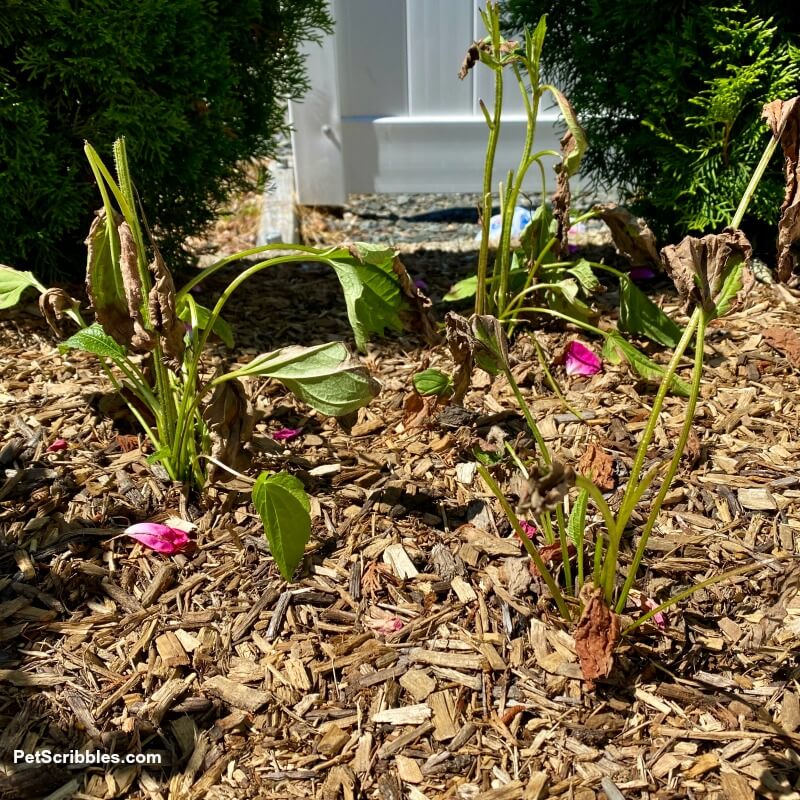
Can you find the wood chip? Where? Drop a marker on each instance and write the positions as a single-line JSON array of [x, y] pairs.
[[396, 557], [236, 694], [417, 683], [759, 499], [407, 715]]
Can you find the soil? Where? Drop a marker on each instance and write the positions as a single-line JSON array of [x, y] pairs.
[[415, 655]]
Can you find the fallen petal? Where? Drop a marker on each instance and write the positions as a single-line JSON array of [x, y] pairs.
[[580, 360], [382, 621], [286, 434], [529, 528], [641, 274], [161, 538], [58, 444]]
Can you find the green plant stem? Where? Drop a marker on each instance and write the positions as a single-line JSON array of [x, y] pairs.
[[558, 597], [688, 593], [674, 463], [626, 507], [758, 173]]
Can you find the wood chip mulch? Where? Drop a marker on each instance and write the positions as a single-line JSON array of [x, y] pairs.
[[415, 656]]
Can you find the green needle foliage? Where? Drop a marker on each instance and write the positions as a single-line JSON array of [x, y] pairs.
[[671, 94], [197, 88]]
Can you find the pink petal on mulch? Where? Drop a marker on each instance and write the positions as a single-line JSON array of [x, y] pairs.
[[161, 538], [580, 360], [58, 444], [529, 528], [382, 621], [659, 619], [286, 434]]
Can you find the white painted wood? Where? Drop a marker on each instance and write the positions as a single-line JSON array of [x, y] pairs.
[[370, 42], [317, 132], [433, 154], [386, 112], [438, 35]]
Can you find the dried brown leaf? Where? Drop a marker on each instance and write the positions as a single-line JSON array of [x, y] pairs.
[[598, 466], [461, 342], [552, 554], [698, 267], [631, 236], [596, 634], [545, 490], [418, 411], [783, 118], [417, 316], [472, 57], [54, 304], [786, 341], [164, 317], [562, 197], [230, 421]]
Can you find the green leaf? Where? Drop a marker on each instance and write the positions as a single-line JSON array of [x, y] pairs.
[[639, 315], [221, 328], [325, 376], [285, 511], [616, 349], [13, 283], [462, 290], [577, 519], [585, 276], [96, 341], [433, 382], [487, 457], [371, 290], [731, 287]]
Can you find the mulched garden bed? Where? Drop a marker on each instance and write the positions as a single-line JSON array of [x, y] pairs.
[[416, 656]]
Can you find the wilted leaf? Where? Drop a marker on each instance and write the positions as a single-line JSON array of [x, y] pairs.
[[325, 376], [491, 349], [562, 197], [113, 282], [13, 283], [163, 316], [545, 489], [631, 236], [54, 305], [598, 466], [574, 143], [783, 118], [377, 291], [433, 382], [462, 346], [552, 554], [230, 421], [596, 635], [713, 271], [639, 315], [285, 511], [415, 313], [418, 410]]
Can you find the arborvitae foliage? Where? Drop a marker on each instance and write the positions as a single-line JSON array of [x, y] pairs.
[[671, 95], [196, 86]]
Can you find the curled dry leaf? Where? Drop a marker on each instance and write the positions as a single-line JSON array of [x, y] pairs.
[[54, 304], [118, 308], [596, 634], [783, 118], [631, 236], [161, 302], [562, 197], [703, 270], [472, 57], [462, 347], [418, 411], [230, 421], [598, 466], [416, 315], [545, 490]]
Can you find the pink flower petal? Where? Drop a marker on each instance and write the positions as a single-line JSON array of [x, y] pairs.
[[529, 528], [286, 434], [659, 619], [382, 621], [580, 360], [641, 274], [161, 538], [58, 444]]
